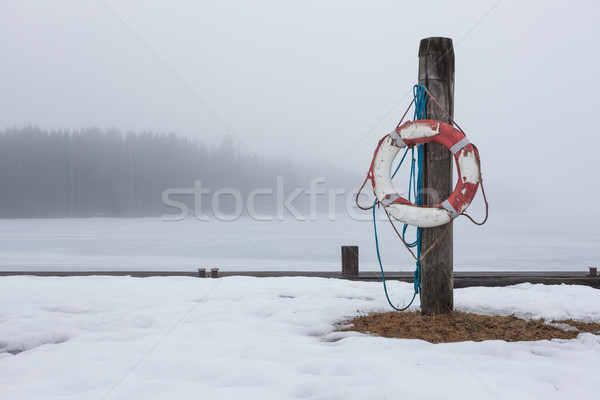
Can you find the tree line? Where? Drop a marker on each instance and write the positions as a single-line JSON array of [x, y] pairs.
[[93, 172]]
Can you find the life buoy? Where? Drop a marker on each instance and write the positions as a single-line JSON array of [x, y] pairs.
[[423, 131]]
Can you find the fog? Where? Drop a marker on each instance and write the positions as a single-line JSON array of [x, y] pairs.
[[318, 80]]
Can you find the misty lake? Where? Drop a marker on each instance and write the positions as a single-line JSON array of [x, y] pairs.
[[506, 242]]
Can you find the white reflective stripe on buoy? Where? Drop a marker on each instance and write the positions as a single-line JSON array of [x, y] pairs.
[[389, 200], [446, 204], [459, 145], [399, 142], [423, 217]]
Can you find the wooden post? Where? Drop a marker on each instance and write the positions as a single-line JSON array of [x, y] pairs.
[[350, 261], [214, 272], [436, 72]]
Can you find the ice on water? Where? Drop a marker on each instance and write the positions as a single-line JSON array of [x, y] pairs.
[[507, 242]]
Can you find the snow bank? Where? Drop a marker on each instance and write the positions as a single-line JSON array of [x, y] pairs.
[[271, 338]]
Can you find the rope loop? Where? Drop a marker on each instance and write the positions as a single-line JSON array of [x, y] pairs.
[[417, 279]]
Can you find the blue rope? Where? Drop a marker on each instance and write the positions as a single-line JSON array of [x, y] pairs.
[[414, 189], [381, 265], [420, 96]]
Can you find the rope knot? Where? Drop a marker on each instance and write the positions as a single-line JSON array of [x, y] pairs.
[[417, 275]]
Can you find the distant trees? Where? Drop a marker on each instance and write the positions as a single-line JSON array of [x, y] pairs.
[[91, 172]]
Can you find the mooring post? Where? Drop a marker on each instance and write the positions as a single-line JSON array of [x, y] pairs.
[[214, 272], [350, 261], [436, 73]]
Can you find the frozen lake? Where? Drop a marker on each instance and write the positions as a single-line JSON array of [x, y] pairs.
[[506, 242]]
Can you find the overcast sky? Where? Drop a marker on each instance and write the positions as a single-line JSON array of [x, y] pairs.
[[319, 79]]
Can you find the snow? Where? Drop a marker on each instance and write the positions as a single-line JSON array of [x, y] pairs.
[[272, 338], [511, 242]]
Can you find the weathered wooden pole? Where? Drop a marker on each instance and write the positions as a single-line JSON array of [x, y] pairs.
[[436, 73]]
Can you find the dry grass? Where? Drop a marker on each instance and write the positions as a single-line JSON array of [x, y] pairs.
[[590, 327], [462, 326]]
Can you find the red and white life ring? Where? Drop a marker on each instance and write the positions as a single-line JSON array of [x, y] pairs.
[[423, 131]]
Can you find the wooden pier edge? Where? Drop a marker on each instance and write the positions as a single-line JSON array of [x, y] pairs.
[[461, 279]]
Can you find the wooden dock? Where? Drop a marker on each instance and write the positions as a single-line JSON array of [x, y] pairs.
[[461, 279]]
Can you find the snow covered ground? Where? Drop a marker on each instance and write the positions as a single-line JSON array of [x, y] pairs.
[[507, 242], [272, 338]]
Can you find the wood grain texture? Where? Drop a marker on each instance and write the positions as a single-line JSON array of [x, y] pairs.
[[436, 72], [350, 260]]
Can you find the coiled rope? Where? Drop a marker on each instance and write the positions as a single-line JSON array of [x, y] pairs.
[[420, 96]]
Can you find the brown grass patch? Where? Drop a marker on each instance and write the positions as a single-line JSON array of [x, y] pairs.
[[590, 327], [461, 326]]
